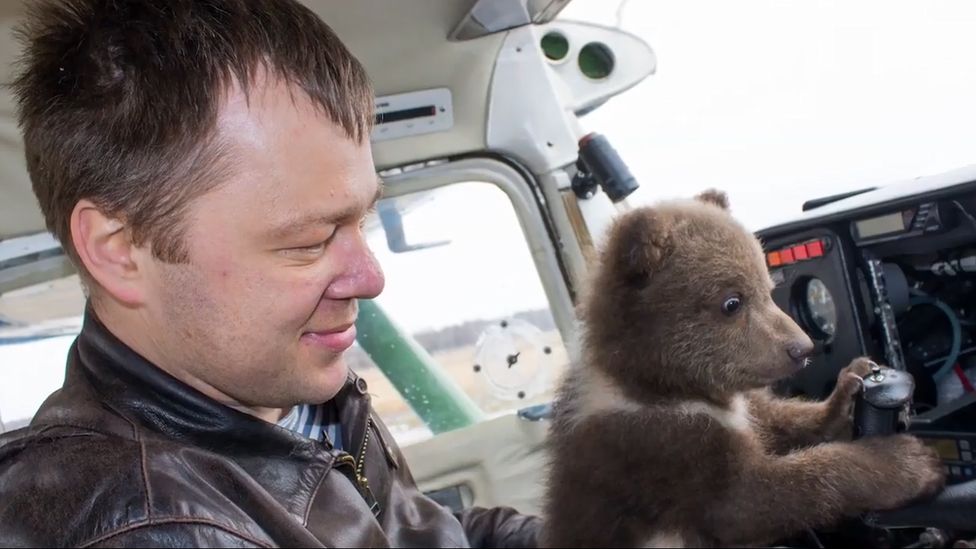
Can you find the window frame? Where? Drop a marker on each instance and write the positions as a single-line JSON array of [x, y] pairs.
[[531, 217]]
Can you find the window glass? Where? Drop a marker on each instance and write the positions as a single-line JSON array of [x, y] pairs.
[[461, 283]]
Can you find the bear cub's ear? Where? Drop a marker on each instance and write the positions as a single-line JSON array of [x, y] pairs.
[[714, 196], [635, 245]]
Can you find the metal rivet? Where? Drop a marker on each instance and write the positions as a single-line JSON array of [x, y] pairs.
[[361, 386]]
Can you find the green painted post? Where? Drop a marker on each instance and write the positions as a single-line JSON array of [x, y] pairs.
[[434, 396]]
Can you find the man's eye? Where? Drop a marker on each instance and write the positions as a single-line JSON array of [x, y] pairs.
[[315, 248], [369, 213], [312, 249]]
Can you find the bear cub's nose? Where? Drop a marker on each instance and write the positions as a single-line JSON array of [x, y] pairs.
[[800, 350]]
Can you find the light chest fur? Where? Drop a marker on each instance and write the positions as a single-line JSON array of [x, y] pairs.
[[592, 393]]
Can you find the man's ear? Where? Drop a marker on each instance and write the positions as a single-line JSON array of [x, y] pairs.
[[104, 246], [716, 197], [636, 245]]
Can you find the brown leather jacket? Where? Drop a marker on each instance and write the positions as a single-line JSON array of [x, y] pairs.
[[124, 455]]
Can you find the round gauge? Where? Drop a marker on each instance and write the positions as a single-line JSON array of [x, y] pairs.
[[513, 359], [819, 308]]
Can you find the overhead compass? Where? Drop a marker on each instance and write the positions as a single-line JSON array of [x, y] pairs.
[[513, 359]]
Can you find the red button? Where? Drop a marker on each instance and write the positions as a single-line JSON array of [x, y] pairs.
[[815, 249], [800, 252], [787, 255]]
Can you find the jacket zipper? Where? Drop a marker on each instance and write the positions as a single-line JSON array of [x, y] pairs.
[[360, 477], [359, 471]]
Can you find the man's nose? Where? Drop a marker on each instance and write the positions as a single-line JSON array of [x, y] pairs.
[[370, 278], [362, 277]]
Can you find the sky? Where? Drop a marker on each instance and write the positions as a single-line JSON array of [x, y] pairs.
[[773, 101], [803, 99]]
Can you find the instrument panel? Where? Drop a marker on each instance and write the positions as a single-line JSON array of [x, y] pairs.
[[813, 284], [956, 451], [948, 429], [880, 281], [829, 278], [910, 222]]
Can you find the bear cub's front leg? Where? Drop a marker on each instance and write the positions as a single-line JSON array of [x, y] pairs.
[[794, 423]]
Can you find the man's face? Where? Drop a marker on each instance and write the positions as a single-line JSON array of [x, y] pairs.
[[278, 257]]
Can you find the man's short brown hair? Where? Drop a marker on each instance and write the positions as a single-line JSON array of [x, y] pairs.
[[118, 100]]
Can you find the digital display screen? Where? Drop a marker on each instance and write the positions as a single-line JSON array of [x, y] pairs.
[[945, 447], [405, 114], [891, 223]]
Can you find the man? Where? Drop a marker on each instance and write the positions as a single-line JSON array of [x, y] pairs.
[[207, 167]]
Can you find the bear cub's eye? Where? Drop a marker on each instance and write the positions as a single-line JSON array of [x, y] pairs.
[[732, 304]]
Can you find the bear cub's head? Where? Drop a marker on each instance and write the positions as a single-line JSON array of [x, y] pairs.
[[680, 304]]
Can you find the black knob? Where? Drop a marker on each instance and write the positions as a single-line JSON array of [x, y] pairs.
[[881, 408], [606, 167]]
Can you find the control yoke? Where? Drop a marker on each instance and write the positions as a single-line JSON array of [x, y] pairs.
[[882, 409]]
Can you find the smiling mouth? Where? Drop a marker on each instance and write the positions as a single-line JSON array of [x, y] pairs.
[[337, 330], [336, 340]]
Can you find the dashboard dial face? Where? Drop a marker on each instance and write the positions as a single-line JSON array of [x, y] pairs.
[[820, 310]]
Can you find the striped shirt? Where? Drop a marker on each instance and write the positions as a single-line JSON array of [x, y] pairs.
[[315, 421]]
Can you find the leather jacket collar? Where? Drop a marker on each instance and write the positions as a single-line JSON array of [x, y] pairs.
[[141, 392]]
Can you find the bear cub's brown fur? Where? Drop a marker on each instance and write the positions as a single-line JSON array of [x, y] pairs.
[[666, 434]]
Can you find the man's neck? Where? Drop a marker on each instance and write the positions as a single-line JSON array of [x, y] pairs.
[[119, 328], [271, 415]]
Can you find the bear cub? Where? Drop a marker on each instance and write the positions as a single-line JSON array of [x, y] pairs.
[[666, 433]]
